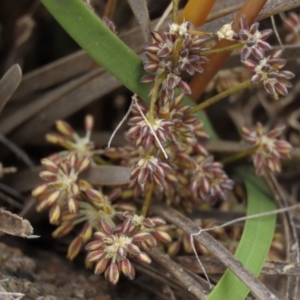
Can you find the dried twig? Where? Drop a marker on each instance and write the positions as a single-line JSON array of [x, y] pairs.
[[256, 287], [178, 272]]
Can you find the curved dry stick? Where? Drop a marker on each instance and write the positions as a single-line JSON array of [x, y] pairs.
[[176, 218]]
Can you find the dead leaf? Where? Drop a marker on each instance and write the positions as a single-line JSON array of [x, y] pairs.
[[15, 225], [140, 10], [9, 83]]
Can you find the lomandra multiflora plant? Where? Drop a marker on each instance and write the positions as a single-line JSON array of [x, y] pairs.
[[165, 153]]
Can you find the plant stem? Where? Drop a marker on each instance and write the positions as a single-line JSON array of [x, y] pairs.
[[110, 8], [154, 93], [220, 96], [197, 289], [196, 11], [200, 33], [147, 200], [220, 50], [175, 11], [238, 155]]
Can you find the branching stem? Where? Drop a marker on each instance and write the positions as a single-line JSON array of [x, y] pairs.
[[154, 94], [147, 200], [238, 155], [220, 50], [175, 11], [220, 96]]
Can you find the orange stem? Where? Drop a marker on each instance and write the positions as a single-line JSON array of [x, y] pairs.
[[196, 11], [110, 8], [200, 81]]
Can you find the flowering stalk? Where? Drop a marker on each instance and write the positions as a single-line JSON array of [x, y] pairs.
[[238, 155], [220, 96], [154, 93], [147, 200], [175, 11], [220, 50]]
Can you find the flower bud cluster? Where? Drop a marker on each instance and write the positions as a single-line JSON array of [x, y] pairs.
[[253, 40], [268, 149], [112, 246], [62, 190], [267, 69], [173, 52], [70, 140], [292, 24]]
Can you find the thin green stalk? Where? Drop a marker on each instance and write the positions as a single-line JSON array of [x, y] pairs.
[[221, 50], [220, 96], [153, 99], [238, 155], [175, 11], [147, 200]]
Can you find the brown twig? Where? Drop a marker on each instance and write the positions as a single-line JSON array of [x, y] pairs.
[[157, 275], [179, 273], [184, 223], [213, 266]]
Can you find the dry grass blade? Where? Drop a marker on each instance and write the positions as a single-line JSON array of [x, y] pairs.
[[20, 153], [34, 108], [190, 284], [59, 71], [214, 266], [281, 268], [79, 63], [9, 83], [140, 10], [157, 274], [67, 105], [15, 225], [25, 181], [271, 8]]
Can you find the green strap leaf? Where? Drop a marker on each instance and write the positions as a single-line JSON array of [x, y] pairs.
[[255, 242], [121, 62]]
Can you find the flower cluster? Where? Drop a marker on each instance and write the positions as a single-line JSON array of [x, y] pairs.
[[173, 52], [268, 71], [71, 141], [253, 40], [209, 182], [292, 24], [112, 246], [268, 149], [62, 190]]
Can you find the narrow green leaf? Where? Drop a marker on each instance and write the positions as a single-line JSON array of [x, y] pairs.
[[255, 242]]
